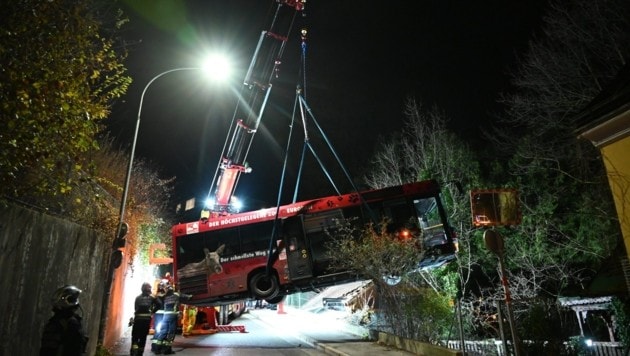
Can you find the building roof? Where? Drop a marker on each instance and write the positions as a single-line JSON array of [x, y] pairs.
[[606, 118], [586, 304]]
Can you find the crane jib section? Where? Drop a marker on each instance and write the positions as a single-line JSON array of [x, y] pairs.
[[257, 85]]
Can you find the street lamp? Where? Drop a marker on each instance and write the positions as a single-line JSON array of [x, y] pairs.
[[123, 201], [119, 238]]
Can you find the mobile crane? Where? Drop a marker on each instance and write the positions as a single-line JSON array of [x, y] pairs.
[[255, 92]]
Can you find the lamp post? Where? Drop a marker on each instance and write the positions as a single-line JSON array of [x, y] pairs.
[[123, 201], [119, 240]]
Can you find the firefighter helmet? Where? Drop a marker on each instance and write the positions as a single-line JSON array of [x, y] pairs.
[[66, 297], [146, 288]]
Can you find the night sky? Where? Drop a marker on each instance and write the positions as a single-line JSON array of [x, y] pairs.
[[363, 60]]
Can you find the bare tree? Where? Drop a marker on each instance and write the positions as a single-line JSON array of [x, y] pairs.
[[425, 149], [582, 46]]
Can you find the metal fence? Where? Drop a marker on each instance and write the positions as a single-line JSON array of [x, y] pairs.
[[495, 348], [607, 349], [481, 347]]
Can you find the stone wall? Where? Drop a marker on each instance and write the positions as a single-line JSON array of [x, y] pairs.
[[38, 254]]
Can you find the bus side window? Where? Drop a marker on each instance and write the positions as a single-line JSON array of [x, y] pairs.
[[319, 222], [190, 249], [292, 226], [319, 228], [227, 237], [359, 216], [428, 214], [400, 214], [255, 237]]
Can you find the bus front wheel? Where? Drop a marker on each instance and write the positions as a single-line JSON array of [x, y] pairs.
[[275, 300], [263, 286]]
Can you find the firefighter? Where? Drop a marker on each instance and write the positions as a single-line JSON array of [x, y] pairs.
[[145, 305], [64, 333], [165, 334], [158, 317], [168, 279]]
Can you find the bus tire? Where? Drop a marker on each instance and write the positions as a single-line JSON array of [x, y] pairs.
[[275, 300], [264, 287], [222, 315], [238, 309]]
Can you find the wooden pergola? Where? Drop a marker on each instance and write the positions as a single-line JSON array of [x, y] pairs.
[[582, 306]]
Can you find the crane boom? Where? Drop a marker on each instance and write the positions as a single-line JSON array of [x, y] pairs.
[[257, 85]]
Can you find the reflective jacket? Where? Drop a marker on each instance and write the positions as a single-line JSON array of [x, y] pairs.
[[145, 305]]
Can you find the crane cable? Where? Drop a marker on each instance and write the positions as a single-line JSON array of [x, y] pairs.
[[300, 103], [274, 251]]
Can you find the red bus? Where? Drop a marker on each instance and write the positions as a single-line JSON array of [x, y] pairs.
[[223, 259]]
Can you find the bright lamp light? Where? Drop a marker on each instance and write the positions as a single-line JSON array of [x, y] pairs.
[[217, 67], [236, 204]]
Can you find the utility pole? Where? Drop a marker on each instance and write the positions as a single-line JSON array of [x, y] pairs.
[[494, 243], [501, 328]]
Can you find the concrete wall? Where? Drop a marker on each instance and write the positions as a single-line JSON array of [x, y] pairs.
[[38, 254], [416, 347], [120, 299]]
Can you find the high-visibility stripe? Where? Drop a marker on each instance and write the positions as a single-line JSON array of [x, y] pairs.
[[228, 328]]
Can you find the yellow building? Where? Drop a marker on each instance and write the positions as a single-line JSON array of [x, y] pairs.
[[605, 122]]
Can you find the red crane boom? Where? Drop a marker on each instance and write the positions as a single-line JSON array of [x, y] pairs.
[[257, 85]]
